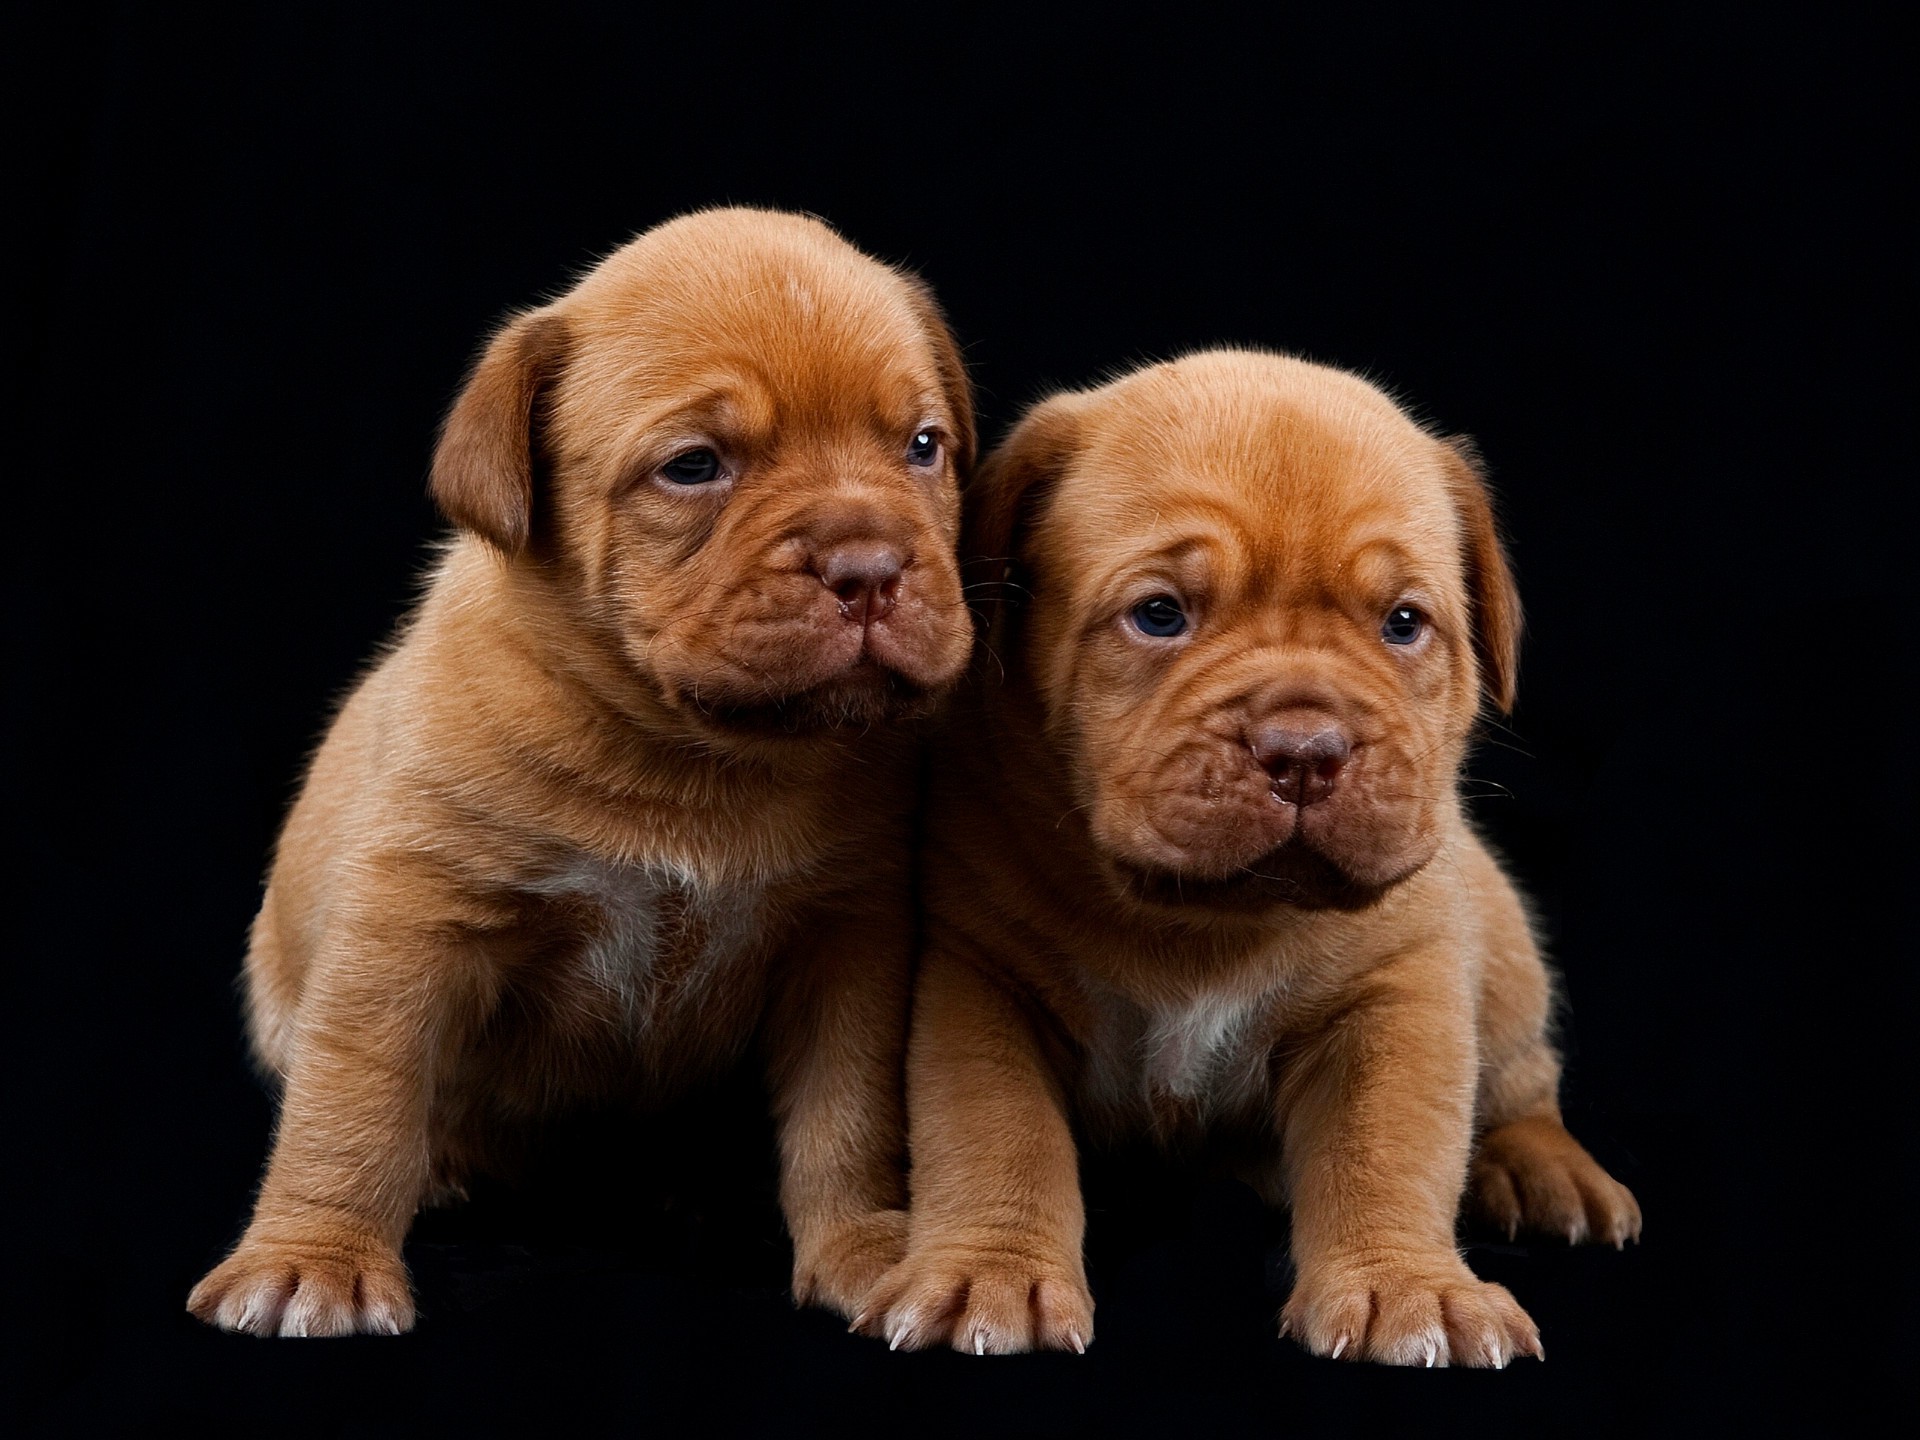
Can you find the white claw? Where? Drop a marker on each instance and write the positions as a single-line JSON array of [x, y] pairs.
[[979, 1343], [893, 1341], [1079, 1345], [1431, 1353], [1338, 1346]]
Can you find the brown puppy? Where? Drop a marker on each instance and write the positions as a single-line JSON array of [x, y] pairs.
[[1198, 868], [623, 796]]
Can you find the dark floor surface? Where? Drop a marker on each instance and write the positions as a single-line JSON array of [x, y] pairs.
[[592, 1299]]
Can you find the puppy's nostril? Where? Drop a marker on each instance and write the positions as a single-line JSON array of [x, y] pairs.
[[1304, 764], [864, 577]]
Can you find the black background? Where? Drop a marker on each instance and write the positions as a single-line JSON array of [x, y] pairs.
[[1649, 259]]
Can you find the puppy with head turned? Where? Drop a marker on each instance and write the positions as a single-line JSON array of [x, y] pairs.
[[1197, 869], [629, 794]]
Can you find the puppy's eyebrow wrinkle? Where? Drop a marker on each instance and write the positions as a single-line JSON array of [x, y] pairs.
[[1385, 544], [720, 401], [1170, 551]]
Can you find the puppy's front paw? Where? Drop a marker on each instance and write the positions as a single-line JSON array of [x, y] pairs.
[[836, 1263], [982, 1301], [324, 1284], [1408, 1313], [1533, 1175]]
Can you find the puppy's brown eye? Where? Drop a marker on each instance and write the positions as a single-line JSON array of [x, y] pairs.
[[695, 467], [1402, 625], [924, 448], [1161, 617]]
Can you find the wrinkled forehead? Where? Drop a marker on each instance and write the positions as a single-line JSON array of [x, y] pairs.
[[1290, 479], [795, 328]]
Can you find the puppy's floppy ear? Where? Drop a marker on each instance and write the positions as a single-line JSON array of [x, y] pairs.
[[484, 465], [1009, 488], [953, 372], [1490, 587]]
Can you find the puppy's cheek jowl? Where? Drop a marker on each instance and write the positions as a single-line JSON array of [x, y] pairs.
[[1204, 810], [926, 640], [768, 639], [1372, 849], [1205, 838]]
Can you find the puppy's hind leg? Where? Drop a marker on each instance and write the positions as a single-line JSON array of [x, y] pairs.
[[1528, 1173], [271, 980], [1531, 1174]]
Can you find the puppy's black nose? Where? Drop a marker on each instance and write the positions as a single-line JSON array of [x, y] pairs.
[[864, 576], [1304, 761]]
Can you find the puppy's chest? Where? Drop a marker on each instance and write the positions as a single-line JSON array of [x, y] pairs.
[[645, 943], [1177, 1070]]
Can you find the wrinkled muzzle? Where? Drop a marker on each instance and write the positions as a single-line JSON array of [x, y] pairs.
[[1290, 795], [848, 614]]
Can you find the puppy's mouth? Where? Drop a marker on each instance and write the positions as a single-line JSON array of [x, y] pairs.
[[1294, 874], [803, 668], [865, 694]]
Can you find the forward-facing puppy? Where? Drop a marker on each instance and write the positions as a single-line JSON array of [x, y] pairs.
[[1197, 868], [627, 793]]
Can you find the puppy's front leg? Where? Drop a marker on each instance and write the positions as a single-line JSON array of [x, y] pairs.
[[994, 1256], [836, 1041], [321, 1255], [1376, 1117]]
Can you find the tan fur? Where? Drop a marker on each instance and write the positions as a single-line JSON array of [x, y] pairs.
[[627, 794], [1131, 931]]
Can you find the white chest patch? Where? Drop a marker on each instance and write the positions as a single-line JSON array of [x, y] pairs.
[[661, 934], [1199, 1061]]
